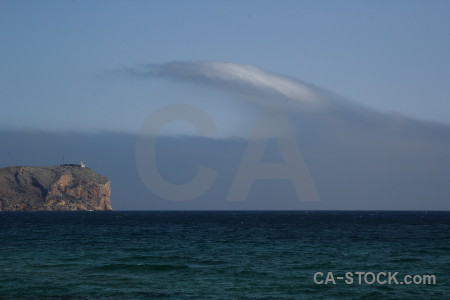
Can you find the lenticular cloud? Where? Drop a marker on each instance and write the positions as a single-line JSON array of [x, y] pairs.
[[359, 158], [233, 77]]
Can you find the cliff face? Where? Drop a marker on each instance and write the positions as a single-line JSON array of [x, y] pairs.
[[53, 188]]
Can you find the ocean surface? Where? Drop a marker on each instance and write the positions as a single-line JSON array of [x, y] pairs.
[[221, 255]]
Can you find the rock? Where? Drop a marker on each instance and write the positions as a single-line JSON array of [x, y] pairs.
[[63, 188]]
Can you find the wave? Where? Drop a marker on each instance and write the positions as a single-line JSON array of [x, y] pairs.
[[137, 267]]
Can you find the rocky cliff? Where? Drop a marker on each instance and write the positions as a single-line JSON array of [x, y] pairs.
[[61, 188]]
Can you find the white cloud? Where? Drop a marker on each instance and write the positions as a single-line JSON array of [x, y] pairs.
[[264, 87]]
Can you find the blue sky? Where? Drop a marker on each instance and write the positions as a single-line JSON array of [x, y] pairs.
[[57, 58], [356, 79]]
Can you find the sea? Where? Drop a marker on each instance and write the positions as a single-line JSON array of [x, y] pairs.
[[225, 255]]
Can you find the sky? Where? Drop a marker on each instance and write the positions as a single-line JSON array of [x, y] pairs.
[[56, 56], [371, 78]]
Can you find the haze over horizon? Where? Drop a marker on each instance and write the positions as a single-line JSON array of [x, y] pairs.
[[364, 88]]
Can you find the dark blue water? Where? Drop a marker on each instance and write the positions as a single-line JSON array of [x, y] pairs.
[[220, 255]]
